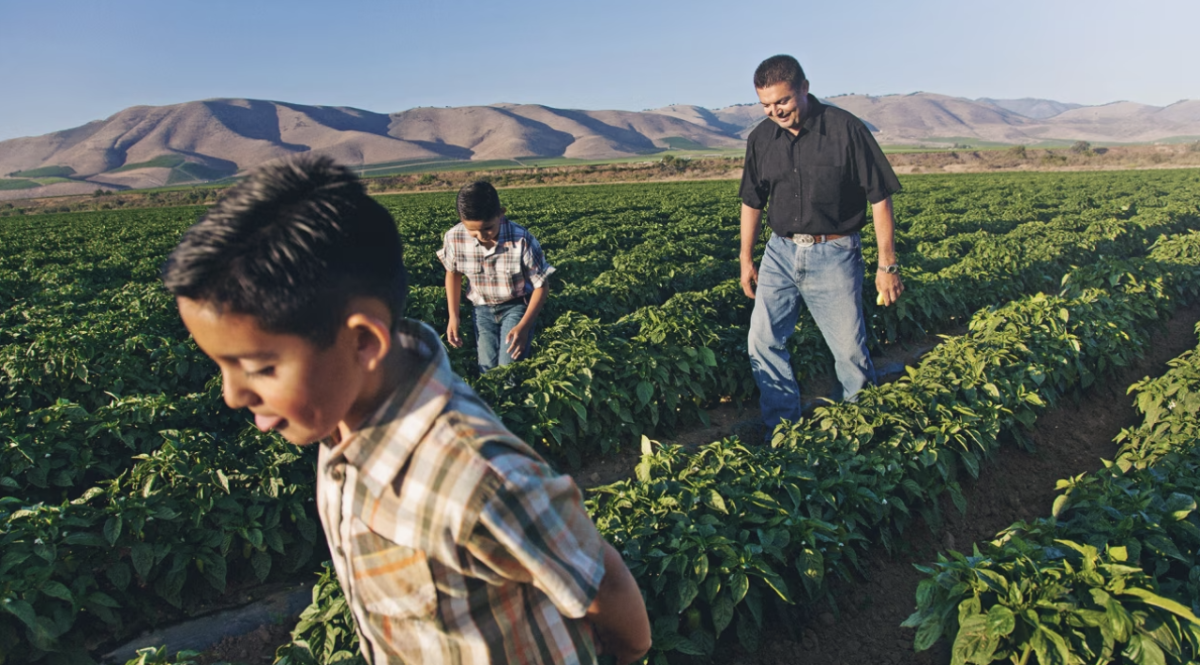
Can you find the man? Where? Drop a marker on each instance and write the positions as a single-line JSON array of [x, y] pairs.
[[818, 166]]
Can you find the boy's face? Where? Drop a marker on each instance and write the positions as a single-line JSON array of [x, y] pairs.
[[290, 384], [486, 232]]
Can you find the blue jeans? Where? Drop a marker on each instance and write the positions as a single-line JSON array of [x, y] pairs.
[[492, 325], [827, 278]]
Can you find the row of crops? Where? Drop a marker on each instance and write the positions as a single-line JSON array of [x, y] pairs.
[[1112, 572], [129, 496]]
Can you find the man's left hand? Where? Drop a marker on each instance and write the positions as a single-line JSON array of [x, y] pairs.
[[516, 339], [889, 286]]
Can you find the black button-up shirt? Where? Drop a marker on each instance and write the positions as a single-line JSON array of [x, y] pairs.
[[820, 180]]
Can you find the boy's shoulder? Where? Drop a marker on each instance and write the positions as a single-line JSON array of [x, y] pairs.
[[462, 458]]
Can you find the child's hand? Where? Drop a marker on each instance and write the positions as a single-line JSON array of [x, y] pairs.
[[452, 333], [517, 338]]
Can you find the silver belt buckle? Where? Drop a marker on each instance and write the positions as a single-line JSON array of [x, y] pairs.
[[803, 240]]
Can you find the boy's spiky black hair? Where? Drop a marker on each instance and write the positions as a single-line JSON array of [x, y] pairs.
[[290, 246]]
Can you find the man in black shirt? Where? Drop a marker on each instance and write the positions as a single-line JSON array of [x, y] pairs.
[[818, 166]]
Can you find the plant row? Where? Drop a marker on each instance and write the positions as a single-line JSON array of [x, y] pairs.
[[1113, 575]]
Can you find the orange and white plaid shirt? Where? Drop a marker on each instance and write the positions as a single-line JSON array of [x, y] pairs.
[[453, 541]]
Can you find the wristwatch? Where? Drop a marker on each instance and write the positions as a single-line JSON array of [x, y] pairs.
[[893, 269]]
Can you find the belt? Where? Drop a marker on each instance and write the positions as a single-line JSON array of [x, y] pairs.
[[807, 240]]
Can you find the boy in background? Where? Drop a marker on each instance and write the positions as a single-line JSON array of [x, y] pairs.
[[506, 273], [453, 541]]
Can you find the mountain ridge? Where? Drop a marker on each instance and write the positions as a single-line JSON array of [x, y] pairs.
[[146, 146]]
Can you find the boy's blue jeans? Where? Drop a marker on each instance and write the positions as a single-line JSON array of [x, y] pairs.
[[827, 278], [492, 325]]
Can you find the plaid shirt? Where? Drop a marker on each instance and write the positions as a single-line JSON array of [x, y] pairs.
[[510, 269], [453, 541]]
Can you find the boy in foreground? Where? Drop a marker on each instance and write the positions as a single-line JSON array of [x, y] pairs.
[[452, 540], [506, 273]]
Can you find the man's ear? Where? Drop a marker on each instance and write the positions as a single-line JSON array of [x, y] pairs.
[[372, 337]]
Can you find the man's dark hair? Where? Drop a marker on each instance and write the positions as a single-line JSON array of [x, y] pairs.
[[779, 69], [290, 246], [478, 202]]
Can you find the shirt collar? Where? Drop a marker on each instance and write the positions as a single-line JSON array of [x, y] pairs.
[[815, 108], [381, 447]]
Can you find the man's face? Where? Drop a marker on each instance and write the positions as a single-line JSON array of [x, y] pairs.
[[288, 383], [485, 232], [784, 105]]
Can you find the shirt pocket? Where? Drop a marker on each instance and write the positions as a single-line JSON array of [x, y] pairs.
[[394, 580]]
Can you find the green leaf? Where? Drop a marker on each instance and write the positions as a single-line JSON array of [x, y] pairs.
[[112, 529], [722, 613], [261, 562], [644, 392], [120, 575], [57, 590], [1060, 502], [974, 643], [928, 633], [143, 559], [1050, 647], [716, 502], [738, 586], [1151, 598], [1000, 621], [20, 609], [223, 481]]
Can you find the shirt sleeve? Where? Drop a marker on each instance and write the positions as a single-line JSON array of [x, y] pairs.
[[446, 254], [533, 529], [533, 260], [754, 191], [875, 174]]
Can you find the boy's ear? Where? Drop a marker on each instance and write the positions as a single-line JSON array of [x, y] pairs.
[[372, 336]]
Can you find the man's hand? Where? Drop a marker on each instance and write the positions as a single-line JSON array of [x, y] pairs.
[[751, 219], [749, 278], [516, 339], [889, 286], [452, 332]]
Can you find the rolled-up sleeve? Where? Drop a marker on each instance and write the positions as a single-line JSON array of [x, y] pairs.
[[447, 255]]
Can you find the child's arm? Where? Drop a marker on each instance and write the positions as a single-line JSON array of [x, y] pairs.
[[618, 614], [453, 298], [518, 337]]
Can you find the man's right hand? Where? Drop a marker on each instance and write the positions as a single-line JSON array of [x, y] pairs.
[[749, 278], [452, 333]]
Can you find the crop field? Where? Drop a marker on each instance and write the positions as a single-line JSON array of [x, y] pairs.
[[130, 496]]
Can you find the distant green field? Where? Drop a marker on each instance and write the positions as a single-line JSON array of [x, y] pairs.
[[51, 181], [682, 143], [428, 166], [193, 172], [9, 184], [160, 162], [46, 172]]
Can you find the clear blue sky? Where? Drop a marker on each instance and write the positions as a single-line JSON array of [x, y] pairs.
[[68, 62]]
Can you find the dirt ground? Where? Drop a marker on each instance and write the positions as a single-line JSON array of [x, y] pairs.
[[255, 648]]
